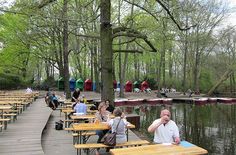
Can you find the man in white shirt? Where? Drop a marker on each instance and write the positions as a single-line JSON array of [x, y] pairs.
[[165, 130]]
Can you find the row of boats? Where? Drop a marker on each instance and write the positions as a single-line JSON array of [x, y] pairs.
[[197, 101]]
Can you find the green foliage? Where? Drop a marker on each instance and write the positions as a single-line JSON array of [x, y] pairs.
[[48, 83], [206, 81], [10, 81], [151, 81]]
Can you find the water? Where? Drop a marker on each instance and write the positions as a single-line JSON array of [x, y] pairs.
[[212, 127]]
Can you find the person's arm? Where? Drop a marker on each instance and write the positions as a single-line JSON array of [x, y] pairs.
[[157, 123], [154, 126]]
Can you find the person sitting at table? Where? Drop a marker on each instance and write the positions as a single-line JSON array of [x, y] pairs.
[[110, 107], [121, 128], [55, 102], [102, 115], [80, 107], [84, 100], [165, 130], [75, 95]]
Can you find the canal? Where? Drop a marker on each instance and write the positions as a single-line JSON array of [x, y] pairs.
[[210, 126]]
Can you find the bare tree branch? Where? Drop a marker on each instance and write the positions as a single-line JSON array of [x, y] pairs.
[[128, 32], [172, 17], [128, 51], [154, 16]]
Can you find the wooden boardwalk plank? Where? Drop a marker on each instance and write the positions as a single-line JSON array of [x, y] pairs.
[[23, 137]]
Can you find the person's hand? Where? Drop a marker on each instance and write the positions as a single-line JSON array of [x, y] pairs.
[[123, 115], [165, 119], [177, 140]]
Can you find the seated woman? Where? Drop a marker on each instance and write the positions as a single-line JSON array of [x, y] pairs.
[[110, 107], [121, 128], [101, 116]]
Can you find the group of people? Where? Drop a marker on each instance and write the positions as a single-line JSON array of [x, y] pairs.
[[51, 99], [165, 130]]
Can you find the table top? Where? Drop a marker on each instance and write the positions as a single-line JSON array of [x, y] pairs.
[[185, 148], [87, 116], [2, 107], [94, 126], [82, 116], [10, 102]]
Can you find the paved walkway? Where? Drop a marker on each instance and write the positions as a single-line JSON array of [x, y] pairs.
[[23, 137]]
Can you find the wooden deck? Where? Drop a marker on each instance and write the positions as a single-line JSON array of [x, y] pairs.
[[60, 142], [23, 137]]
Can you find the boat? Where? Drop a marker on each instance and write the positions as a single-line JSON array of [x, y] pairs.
[[233, 100], [134, 102], [166, 100], [212, 100], [225, 100], [200, 101], [120, 102], [154, 101]]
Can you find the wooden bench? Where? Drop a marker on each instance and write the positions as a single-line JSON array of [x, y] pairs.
[[13, 115], [4, 122], [89, 146], [85, 135], [1, 127]]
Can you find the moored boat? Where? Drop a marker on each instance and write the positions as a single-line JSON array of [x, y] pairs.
[[154, 101], [134, 102], [225, 100], [120, 102], [166, 100], [200, 101], [212, 100]]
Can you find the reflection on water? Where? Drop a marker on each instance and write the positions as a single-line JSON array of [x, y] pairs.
[[212, 127]]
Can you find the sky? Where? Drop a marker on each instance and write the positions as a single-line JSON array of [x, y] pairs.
[[232, 17], [231, 20]]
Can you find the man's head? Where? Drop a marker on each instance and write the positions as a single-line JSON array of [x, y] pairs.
[[165, 114]]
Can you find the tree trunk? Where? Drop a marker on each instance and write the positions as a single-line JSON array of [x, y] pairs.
[[106, 52], [185, 61], [222, 79], [65, 50], [197, 64]]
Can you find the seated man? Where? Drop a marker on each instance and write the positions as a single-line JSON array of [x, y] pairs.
[[165, 130], [80, 108]]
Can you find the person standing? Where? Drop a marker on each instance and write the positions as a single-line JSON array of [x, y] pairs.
[[75, 94], [165, 130]]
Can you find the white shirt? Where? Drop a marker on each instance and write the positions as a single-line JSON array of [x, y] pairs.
[[165, 133]]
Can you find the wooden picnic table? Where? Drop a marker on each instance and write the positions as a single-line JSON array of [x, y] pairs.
[[87, 116], [2, 107], [184, 148], [85, 127]]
